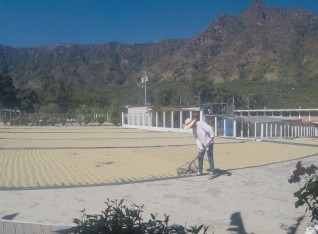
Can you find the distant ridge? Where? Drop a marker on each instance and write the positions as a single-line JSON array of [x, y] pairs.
[[260, 43]]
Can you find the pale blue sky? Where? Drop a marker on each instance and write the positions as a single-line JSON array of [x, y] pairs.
[[49, 22]]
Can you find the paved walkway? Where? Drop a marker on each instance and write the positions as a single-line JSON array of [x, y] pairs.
[[251, 200], [12, 227]]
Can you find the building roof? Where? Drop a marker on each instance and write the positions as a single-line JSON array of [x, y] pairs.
[[268, 119]]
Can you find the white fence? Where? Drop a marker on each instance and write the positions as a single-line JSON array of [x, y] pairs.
[[172, 121]]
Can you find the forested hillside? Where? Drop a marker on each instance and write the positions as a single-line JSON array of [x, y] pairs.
[[264, 57]]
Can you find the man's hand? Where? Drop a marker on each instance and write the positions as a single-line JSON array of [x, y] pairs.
[[201, 150]]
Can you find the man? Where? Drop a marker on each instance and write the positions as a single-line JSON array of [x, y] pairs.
[[204, 138]]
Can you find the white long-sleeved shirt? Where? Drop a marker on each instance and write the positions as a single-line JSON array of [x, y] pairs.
[[203, 134]]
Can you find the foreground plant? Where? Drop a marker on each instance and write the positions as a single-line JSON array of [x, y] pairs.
[[117, 218], [307, 179]]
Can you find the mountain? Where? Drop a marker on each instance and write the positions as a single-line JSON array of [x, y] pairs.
[[271, 43], [259, 44]]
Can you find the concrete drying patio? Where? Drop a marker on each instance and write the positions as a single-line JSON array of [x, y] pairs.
[[47, 175]]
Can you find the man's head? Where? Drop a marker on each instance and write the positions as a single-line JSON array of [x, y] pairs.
[[188, 123]]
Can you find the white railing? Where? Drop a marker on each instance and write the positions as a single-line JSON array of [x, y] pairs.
[[172, 121]]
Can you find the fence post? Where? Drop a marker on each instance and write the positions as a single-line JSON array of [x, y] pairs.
[[172, 123], [255, 130], [262, 130], [215, 126], [156, 118], [164, 119], [234, 128], [248, 130], [266, 130], [180, 119]]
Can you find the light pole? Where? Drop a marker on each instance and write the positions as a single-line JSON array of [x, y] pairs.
[[144, 80]]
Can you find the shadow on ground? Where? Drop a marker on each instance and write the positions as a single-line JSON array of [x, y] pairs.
[[10, 216], [219, 172], [237, 224]]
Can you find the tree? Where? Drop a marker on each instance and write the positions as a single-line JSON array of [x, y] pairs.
[[203, 87], [7, 92], [58, 91], [27, 99]]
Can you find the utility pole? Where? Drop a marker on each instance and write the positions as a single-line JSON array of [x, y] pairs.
[[144, 80]]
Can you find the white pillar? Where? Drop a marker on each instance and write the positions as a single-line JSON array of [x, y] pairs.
[[201, 115], [262, 130], [281, 131], [191, 114], [275, 130], [234, 128], [266, 130], [271, 126], [215, 126], [138, 114], [255, 130], [301, 131], [298, 131], [241, 128], [287, 130], [172, 123], [248, 130], [122, 119], [144, 123], [181, 120], [156, 118], [164, 119]]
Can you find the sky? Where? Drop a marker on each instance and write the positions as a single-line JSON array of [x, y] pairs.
[[27, 23]]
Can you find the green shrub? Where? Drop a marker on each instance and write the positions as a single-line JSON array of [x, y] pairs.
[[53, 121], [307, 179], [15, 121], [101, 119], [118, 218], [5, 120], [87, 119], [62, 120]]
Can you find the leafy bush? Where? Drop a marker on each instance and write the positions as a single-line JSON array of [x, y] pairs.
[[87, 119], [62, 120], [15, 121], [118, 218], [308, 192], [101, 119], [53, 121]]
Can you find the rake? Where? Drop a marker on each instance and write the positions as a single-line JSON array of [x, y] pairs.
[[191, 166]]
